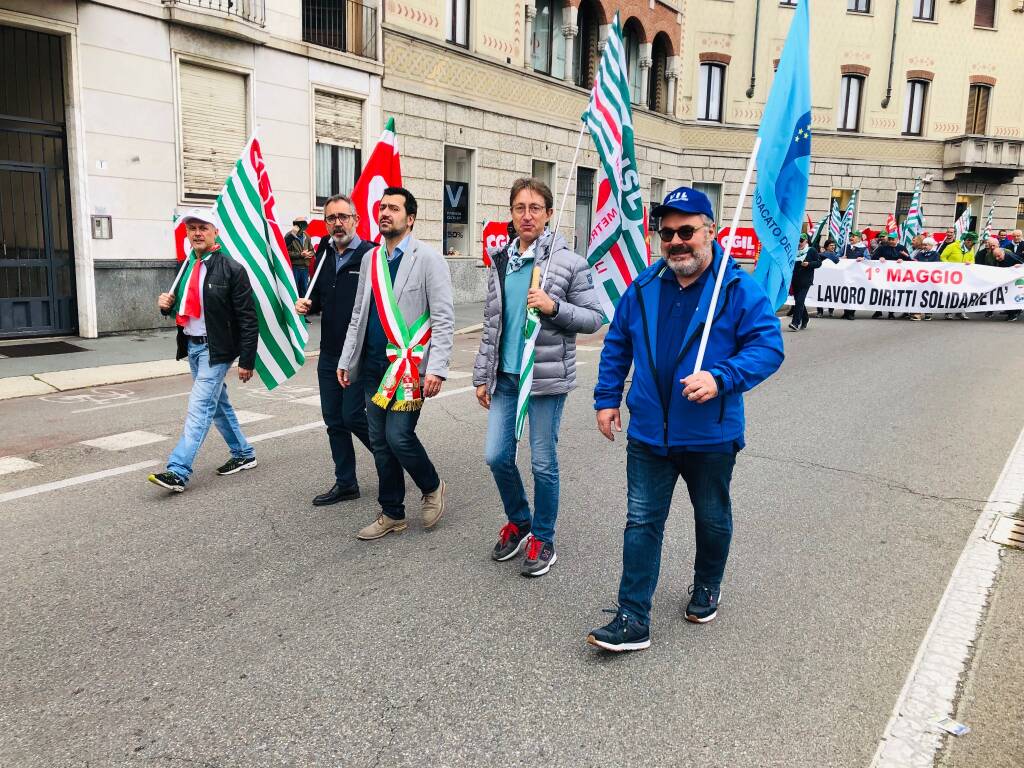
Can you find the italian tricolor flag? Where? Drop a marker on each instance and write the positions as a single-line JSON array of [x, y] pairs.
[[383, 169]]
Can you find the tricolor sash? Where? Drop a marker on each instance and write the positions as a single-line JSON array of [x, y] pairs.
[[406, 344]]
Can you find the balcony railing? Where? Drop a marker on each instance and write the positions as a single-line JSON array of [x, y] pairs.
[[989, 155], [253, 11], [344, 25]]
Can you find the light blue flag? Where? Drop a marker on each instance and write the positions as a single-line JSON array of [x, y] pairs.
[[783, 162]]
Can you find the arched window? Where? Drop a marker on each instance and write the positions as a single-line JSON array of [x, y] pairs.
[[632, 34], [851, 88], [710, 91], [913, 111], [657, 89], [977, 108], [584, 63]]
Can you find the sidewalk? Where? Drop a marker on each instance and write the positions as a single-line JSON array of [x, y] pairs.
[[991, 701], [125, 357]]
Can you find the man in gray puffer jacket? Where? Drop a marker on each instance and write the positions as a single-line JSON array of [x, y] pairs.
[[567, 305]]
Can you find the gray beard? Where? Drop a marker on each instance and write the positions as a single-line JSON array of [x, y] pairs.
[[342, 241], [689, 268]]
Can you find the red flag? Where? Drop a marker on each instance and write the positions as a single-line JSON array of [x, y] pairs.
[[181, 246], [383, 169], [891, 227]]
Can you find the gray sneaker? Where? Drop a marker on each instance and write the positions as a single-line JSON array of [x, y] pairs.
[[511, 541], [540, 556]]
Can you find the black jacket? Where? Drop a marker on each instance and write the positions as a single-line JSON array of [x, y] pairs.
[[803, 277], [890, 252], [232, 328], [334, 294]]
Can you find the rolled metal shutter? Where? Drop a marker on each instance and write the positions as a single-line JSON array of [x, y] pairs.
[[214, 126]]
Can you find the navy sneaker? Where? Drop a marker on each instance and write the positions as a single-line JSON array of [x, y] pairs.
[[511, 541], [540, 556], [168, 480], [237, 465], [621, 634], [703, 605]]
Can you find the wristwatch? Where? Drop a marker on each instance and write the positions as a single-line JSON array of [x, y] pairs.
[[558, 306]]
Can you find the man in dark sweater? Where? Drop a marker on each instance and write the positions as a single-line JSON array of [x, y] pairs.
[[213, 307], [334, 294]]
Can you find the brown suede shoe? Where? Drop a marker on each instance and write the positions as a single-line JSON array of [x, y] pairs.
[[382, 526], [433, 506]]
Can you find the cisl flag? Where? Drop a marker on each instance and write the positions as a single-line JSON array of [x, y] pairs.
[[382, 170]]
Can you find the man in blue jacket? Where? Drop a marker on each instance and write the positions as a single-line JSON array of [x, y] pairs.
[[681, 423]]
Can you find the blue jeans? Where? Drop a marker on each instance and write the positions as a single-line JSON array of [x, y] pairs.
[[207, 405], [396, 448], [545, 415], [344, 413], [301, 279], [651, 480]]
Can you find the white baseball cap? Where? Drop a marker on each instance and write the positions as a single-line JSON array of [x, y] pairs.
[[205, 215]]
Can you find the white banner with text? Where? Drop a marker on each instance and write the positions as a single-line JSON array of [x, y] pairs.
[[916, 287]]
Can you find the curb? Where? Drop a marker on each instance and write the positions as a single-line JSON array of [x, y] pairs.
[[12, 387]]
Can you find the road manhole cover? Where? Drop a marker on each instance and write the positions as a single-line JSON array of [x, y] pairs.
[[1008, 531]]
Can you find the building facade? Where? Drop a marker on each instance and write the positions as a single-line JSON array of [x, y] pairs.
[[114, 114]]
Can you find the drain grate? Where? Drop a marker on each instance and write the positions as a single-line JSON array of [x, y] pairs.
[[1008, 531]]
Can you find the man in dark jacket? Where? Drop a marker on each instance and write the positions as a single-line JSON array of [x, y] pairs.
[[216, 323], [565, 304], [807, 260], [334, 294], [681, 423], [855, 249], [889, 250], [1005, 257]]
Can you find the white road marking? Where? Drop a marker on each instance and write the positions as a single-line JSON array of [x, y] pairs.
[[287, 431], [248, 417], [132, 402], [587, 348], [313, 400], [931, 687], [11, 464], [124, 440], [71, 481], [458, 375]]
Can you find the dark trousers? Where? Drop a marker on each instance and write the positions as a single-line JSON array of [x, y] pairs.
[[800, 316], [651, 481], [344, 413], [395, 447]]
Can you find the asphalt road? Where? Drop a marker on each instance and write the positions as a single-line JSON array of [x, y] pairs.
[[236, 625]]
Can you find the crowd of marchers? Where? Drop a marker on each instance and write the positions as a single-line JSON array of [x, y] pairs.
[[1005, 249]]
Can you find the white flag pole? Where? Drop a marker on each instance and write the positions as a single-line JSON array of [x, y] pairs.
[[565, 194], [725, 258], [181, 270], [316, 274]]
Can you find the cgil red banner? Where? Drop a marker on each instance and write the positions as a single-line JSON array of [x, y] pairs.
[[745, 243]]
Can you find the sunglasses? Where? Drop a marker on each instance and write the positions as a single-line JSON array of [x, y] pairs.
[[685, 233]]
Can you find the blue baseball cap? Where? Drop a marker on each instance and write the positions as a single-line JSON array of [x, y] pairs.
[[685, 200]]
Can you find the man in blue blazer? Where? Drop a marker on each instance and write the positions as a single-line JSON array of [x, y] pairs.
[[681, 423]]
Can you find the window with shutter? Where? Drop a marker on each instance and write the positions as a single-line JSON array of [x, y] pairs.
[[977, 109], [338, 126], [985, 13], [214, 127]]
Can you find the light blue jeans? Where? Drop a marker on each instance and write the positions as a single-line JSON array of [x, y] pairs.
[[207, 404], [545, 415]]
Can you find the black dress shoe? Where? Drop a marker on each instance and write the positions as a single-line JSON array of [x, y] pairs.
[[335, 495]]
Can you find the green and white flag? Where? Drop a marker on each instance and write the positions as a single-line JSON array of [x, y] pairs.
[[987, 233], [531, 329], [913, 225], [617, 252], [846, 224], [250, 235]]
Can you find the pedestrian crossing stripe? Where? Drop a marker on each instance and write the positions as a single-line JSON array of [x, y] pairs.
[[124, 440], [11, 464]]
